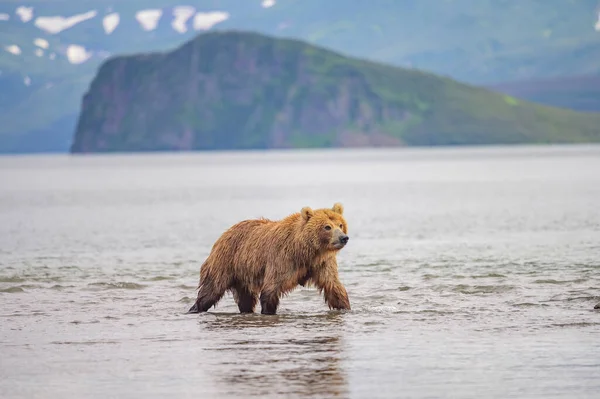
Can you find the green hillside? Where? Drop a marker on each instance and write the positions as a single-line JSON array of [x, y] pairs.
[[581, 93], [236, 90]]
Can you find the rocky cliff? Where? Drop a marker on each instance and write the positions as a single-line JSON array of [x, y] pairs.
[[238, 90]]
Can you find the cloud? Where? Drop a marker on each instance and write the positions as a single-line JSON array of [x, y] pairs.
[[182, 14], [206, 20], [268, 3], [110, 22], [39, 52], [57, 24], [4, 17], [148, 18]]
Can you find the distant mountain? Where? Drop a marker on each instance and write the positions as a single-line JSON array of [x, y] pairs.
[[581, 93], [51, 49], [237, 90]]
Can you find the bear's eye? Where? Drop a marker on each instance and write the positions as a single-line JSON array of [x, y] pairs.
[[327, 227], [341, 227]]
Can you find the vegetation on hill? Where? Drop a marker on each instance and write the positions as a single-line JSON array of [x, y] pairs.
[[581, 93], [236, 90]]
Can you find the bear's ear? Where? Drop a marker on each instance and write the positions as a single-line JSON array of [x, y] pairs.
[[306, 212], [338, 208]]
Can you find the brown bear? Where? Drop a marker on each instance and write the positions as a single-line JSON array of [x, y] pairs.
[[269, 259]]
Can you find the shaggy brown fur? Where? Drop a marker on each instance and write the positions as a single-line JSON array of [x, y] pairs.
[[267, 259]]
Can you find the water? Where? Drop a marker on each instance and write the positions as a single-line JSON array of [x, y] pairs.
[[471, 272]]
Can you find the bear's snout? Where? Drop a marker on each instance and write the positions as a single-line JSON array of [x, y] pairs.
[[339, 239]]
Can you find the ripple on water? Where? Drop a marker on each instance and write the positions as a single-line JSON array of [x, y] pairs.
[[575, 324], [25, 314], [58, 287], [77, 322], [436, 311], [12, 279], [115, 286], [84, 342], [160, 278], [486, 289], [20, 288], [69, 268], [186, 299], [12, 290], [378, 309], [475, 289], [574, 296], [489, 275], [529, 305], [553, 281], [186, 287]]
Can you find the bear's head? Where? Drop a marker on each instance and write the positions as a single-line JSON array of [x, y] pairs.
[[327, 227]]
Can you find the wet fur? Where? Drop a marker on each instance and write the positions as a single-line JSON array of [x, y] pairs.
[[261, 260]]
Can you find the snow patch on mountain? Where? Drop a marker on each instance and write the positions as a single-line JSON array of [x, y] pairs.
[[182, 14], [59, 23], [148, 19], [206, 20], [110, 22]]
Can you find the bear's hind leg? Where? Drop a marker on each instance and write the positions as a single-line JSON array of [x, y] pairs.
[[207, 297]]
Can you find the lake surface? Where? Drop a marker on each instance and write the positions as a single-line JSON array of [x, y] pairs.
[[472, 273]]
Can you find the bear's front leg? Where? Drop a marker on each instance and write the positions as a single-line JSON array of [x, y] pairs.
[[336, 296], [327, 280], [269, 301]]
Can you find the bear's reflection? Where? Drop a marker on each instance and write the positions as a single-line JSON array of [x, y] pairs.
[[277, 356]]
